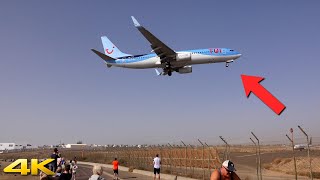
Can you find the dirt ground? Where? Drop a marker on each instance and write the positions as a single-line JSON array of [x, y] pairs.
[[277, 164]]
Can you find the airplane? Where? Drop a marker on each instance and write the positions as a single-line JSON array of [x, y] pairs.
[[163, 56], [301, 147]]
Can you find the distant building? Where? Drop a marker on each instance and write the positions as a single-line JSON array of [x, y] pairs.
[[14, 146], [76, 146], [7, 146]]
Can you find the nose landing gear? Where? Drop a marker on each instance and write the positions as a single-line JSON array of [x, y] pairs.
[[229, 61]]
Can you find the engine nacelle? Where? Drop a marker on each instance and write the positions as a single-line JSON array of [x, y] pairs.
[[183, 57], [185, 69]]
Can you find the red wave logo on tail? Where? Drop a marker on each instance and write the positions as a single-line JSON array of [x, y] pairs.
[[107, 51]]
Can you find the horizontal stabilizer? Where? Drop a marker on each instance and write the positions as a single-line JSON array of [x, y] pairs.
[[103, 56]]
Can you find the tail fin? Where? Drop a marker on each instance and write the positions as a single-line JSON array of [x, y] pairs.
[[110, 49]]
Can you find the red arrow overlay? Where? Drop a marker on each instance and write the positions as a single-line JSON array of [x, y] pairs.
[[251, 84]]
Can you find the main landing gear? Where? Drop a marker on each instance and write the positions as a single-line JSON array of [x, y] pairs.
[[168, 69]]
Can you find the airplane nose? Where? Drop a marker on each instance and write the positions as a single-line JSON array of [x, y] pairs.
[[239, 55]]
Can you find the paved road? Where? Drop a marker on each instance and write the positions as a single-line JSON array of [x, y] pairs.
[[85, 171]]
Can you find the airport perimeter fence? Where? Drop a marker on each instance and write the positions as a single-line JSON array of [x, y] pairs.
[[199, 161], [191, 161], [195, 162]]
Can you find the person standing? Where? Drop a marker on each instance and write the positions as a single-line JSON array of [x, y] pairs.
[[97, 173], [74, 168], [53, 165], [156, 167], [66, 175], [75, 159], [62, 162], [115, 169]]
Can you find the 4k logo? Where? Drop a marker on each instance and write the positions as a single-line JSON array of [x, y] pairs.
[[34, 167]]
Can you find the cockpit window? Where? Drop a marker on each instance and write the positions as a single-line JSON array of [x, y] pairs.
[[231, 50]]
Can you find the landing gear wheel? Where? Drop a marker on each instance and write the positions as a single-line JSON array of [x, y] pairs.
[[168, 65], [169, 73], [227, 64]]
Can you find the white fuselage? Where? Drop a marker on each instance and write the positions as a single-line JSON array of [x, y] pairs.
[[154, 61]]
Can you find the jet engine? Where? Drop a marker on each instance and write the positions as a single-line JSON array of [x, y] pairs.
[[183, 57], [185, 69]]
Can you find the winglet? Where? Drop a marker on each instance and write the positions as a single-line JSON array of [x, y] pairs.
[[135, 22], [158, 73]]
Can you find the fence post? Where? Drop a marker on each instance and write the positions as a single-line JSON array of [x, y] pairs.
[[180, 159], [226, 151], [256, 158], [170, 151], [208, 159], [145, 149], [259, 157], [202, 159], [140, 161], [162, 158], [311, 174], [294, 158], [129, 157], [192, 160], [138, 158], [185, 156]]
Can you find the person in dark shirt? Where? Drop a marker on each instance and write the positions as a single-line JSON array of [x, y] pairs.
[[66, 175], [55, 156]]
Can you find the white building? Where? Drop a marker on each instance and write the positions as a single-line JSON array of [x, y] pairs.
[[7, 146], [12, 146], [76, 146]]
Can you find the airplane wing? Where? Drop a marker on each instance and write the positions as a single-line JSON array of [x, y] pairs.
[[165, 53]]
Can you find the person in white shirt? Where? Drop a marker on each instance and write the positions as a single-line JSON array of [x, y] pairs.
[[156, 166], [74, 168], [97, 173]]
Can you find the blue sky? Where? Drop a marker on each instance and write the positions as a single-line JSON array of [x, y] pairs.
[[53, 88]]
